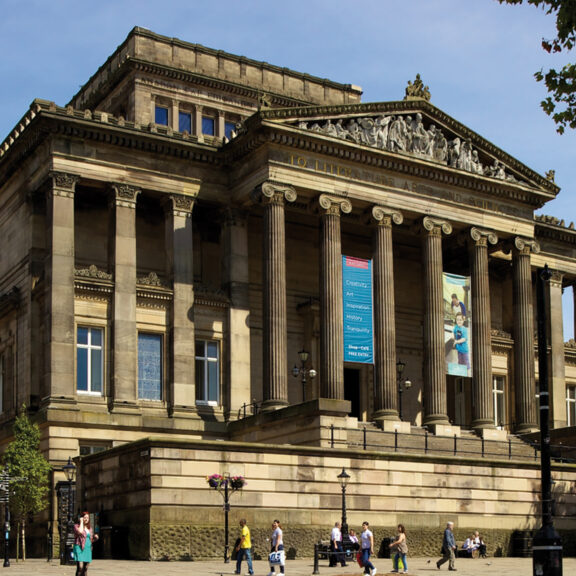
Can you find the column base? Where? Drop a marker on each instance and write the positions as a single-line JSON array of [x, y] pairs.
[[396, 426], [443, 429], [492, 434], [526, 428], [273, 405], [382, 416]]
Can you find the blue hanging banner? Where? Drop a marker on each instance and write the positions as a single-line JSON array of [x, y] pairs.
[[357, 303]]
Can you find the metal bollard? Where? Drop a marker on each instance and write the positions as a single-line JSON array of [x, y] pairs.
[[316, 571]]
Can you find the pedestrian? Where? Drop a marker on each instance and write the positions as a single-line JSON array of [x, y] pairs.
[[401, 546], [448, 548], [277, 545], [243, 548], [336, 548], [367, 547], [84, 537]]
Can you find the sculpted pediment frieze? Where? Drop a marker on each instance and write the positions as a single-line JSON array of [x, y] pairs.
[[415, 129]]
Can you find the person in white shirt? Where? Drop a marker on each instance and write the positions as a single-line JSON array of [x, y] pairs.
[[336, 550], [367, 547]]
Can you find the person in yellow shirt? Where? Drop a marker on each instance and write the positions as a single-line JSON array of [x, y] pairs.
[[243, 550]]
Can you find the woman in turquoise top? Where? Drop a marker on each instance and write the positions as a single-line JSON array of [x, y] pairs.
[[83, 539]]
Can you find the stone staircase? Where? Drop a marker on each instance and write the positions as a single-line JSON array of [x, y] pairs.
[[467, 445]]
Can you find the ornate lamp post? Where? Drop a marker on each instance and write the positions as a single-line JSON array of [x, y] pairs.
[[226, 486], [303, 371], [5, 498], [70, 472], [344, 478], [402, 384]]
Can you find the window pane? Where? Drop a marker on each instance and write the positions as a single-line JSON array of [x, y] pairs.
[[229, 127], [82, 335], [213, 387], [208, 126], [184, 122], [82, 369], [96, 369], [150, 366], [200, 348], [96, 336], [200, 379], [161, 115], [212, 350]]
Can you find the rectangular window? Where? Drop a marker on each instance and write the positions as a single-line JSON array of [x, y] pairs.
[[89, 360], [86, 449], [149, 366], [229, 127], [185, 122], [207, 372], [208, 126], [161, 115], [571, 405], [498, 399]]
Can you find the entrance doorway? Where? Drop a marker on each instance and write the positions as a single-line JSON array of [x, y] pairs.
[[352, 390]]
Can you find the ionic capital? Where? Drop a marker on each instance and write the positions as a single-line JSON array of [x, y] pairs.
[[436, 226], [274, 193], [385, 217], [483, 237], [526, 245], [334, 204]]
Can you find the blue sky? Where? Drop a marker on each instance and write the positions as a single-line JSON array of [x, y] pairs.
[[477, 57]]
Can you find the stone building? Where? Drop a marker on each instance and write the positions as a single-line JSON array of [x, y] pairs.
[[181, 230]]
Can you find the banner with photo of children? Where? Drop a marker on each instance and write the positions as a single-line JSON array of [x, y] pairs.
[[457, 325]]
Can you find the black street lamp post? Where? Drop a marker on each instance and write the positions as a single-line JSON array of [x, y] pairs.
[[402, 384], [303, 371], [70, 472], [546, 544], [344, 478], [226, 486], [5, 497]]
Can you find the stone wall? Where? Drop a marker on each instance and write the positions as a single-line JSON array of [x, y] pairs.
[[154, 494]]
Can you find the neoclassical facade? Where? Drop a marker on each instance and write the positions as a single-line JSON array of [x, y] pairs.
[[175, 235]]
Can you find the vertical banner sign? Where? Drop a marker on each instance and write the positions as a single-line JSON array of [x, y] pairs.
[[357, 301], [457, 325]]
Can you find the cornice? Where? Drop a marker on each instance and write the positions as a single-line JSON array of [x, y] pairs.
[[44, 118], [551, 228]]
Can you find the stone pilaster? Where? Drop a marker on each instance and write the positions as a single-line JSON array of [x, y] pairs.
[[124, 331], [61, 334], [179, 246], [332, 339], [275, 352], [557, 380], [435, 404], [524, 382], [385, 386], [482, 402], [236, 281]]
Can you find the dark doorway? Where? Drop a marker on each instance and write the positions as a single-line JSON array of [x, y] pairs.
[[352, 390]]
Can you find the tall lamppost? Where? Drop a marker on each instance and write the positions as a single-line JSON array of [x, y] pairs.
[[344, 478], [226, 486], [402, 384], [303, 371], [5, 497], [70, 472]]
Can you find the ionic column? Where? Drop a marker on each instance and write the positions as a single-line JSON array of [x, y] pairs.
[[557, 380], [435, 405], [236, 282], [179, 247], [525, 386], [332, 339], [482, 403], [60, 286], [385, 392], [125, 335], [275, 391]]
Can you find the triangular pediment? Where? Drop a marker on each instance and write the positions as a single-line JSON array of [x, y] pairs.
[[412, 129]]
